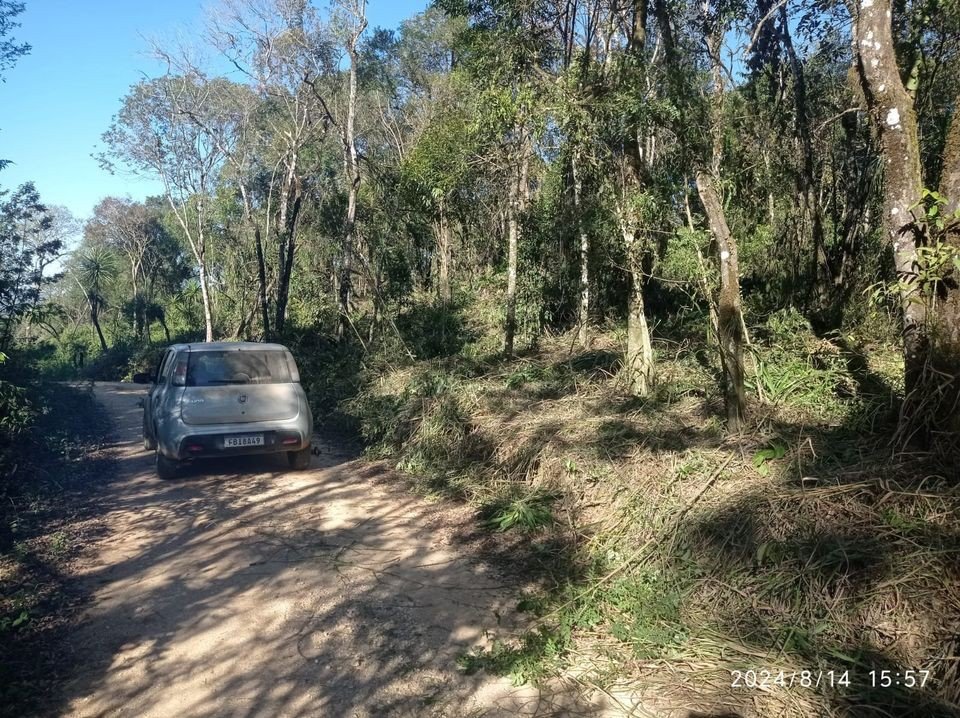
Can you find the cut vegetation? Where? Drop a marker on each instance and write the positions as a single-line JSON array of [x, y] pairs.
[[667, 554]]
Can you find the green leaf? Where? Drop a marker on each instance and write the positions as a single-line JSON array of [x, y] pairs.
[[762, 551]]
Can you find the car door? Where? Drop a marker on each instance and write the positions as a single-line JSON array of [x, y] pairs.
[[166, 398], [151, 399]]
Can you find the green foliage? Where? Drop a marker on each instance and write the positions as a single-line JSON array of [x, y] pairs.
[[16, 415], [762, 458], [10, 49], [330, 374], [27, 247], [795, 368], [644, 612], [527, 513], [432, 330], [535, 658]]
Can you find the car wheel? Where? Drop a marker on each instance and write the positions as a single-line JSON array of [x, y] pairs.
[[166, 468], [149, 444], [299, 460]]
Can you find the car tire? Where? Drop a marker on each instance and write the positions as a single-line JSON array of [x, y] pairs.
[[166, 468], [149, 444], [299, 460]]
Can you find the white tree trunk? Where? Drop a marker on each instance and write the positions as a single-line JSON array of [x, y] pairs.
[[638, 360], [583, 319]]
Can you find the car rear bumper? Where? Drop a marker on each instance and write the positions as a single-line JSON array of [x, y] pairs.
[[206, 445]]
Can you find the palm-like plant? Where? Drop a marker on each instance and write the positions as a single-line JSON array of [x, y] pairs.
[[95, 270]]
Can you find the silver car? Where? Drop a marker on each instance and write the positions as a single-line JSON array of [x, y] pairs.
[[223, 399]]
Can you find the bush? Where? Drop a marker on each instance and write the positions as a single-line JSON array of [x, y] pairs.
[[111, 365], [794, 367], [16, 415], [422, 425], [432, 330], [330, 373]]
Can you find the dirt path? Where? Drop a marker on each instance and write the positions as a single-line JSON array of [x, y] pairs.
[[243, 589]]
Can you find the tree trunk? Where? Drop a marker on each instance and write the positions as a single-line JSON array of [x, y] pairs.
[[583, 320], [262, 283], [198, 247], [205, 296], [638, 361], [261, 264], [729, 315], [948, 338], [202, 265], [519, 193], [286, 266], [95, 320], [730, 324], [444, 250], [895, 120], [352, 171], [950, 174], [513, 230], [808, 184], [346, 266]]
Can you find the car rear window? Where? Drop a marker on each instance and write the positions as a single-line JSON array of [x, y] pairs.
[[219, 368]]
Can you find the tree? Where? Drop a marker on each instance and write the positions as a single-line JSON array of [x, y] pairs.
[[136, 233], [154, 133], [94, 271], [280, 124], [29, 243], [434, 138], [730, 324], [353, 19], [636, 201], [124, 225], [10, 49], [931, 331]]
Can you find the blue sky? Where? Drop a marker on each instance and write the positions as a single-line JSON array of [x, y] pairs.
[[58, 100]]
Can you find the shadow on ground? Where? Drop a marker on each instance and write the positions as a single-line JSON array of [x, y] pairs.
[[243, 589]]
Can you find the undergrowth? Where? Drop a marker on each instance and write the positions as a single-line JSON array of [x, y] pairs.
[[46, 466], [668, 550]]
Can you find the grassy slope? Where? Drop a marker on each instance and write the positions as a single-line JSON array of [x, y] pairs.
[[671, 554]]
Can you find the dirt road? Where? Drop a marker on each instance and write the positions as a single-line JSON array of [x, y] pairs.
[[243, 589]]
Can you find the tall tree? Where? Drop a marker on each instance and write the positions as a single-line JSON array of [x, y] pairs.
[[28, 245], [931, 329], [730, 324], [352, 16], [154, 133], [94, 271], [285, 51]]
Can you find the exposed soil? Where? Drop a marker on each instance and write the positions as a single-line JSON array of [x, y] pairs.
[[244, 589]]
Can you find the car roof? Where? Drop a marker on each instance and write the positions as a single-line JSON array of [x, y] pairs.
[[228, 346]]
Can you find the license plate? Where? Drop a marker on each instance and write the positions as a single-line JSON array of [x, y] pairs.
[[231, 442]]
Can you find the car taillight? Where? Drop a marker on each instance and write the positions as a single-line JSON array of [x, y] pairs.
[[180, 373], [289, 441]]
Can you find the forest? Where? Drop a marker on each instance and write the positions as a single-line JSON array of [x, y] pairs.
[[668, 290]]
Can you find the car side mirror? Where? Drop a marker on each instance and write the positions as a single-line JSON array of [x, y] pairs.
[[143, 378]]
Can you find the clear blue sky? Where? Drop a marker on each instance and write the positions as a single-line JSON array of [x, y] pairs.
[[59, 99]]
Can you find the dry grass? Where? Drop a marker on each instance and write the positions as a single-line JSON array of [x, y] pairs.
[[684, 555]]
